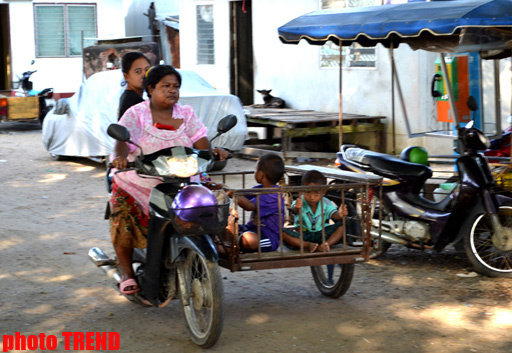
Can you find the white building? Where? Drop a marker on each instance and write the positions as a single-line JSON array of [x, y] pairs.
[[50, 34], [235, 46]]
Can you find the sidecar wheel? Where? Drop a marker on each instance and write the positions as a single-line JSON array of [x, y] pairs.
[[205, 310], [333, 280], [483, 255]]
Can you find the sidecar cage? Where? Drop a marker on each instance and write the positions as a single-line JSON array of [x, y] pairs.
[[352, 189]]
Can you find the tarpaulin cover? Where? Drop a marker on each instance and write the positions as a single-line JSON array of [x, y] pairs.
[[440, 25], [82, 131]]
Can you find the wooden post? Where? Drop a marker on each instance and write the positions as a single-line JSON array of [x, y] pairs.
[[393, 133], [340, 97]]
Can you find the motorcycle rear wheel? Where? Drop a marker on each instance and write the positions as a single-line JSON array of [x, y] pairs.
[[204, 313], [333, 280], [481, 252]]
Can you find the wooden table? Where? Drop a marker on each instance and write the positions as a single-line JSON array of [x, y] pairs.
[[358, 129]]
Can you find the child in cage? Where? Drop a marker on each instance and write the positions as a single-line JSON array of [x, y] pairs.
[[313, 220], [264, 207]]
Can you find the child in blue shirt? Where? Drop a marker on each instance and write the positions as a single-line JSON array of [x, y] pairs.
[[269, 170], [313, 219]]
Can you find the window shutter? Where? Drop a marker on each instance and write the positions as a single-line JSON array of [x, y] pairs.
[[355, 55], [59, 29], [50, 37], [80, 18], [205, 35]]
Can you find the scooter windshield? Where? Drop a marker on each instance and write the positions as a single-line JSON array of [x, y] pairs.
[[181, 162]]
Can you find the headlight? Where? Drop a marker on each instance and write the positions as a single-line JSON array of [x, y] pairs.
[[183, 166]]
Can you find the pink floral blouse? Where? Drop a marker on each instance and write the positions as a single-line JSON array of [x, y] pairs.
[[139, 122]]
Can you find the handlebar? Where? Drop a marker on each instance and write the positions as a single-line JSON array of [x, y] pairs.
[[131, 165], [144, 164], [230, 155], [28, 73], [128, 165]]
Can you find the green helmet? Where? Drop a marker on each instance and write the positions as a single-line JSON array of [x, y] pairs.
[[415, 154]]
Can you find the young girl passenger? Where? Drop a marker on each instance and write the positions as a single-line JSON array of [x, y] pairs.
[[134, 66]]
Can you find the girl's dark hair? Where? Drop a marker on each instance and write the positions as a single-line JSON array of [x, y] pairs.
[[128, 59], [156, 73], [313, 177], [272, 165]]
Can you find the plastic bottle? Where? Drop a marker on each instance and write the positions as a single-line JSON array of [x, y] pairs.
[[443, 190]]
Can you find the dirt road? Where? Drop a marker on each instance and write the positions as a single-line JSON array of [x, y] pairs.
[[51, 213]]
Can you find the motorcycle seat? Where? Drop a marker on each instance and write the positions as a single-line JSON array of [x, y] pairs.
[[387, 165]]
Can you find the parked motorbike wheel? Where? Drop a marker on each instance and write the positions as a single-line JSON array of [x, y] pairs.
[[205, 310], [333, 280], [483, 255], [43, 110], [379, 246]]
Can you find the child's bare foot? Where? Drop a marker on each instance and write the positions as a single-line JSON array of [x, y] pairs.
[[324, 247], [312, 247]]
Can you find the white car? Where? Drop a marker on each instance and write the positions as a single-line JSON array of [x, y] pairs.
[[81, 128]]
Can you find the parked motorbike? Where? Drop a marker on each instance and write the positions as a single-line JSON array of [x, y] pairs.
[[45, 95], [181, 260], [477, 214]]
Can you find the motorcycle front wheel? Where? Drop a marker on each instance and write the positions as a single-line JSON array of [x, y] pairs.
[[483, 255], [333, 280], [205, 310]]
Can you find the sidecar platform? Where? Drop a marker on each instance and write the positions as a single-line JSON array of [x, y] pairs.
[[349, 188]]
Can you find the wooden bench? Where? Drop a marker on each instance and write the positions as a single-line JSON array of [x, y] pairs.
[[357, 129]]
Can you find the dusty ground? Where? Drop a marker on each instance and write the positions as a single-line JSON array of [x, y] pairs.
[[51, 213]]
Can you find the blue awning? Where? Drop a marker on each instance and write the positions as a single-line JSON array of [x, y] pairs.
[[441, 25]]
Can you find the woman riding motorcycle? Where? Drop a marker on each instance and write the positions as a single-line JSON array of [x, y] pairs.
[[157, 123]]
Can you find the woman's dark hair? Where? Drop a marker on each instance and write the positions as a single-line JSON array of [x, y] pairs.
[[272, 165], [313, 177], [156, 73], [128, 59]]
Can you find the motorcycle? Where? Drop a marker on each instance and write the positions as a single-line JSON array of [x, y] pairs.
[[476, 215], [181, 260], [45, 96]]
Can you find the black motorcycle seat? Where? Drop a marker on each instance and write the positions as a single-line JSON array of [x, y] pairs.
[[387, 165]]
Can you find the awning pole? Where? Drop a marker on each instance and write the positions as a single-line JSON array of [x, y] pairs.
[[497, 98], [393, 150], [340, 97], [394, 76]]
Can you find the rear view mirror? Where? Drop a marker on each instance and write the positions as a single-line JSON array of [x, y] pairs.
[[472, 104], [118, 132], [225, 124]]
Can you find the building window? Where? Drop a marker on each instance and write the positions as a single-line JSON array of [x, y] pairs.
[[59, 29], [354, 55], [205, 35]]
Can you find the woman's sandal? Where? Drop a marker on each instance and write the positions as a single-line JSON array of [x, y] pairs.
[[129, 286]]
